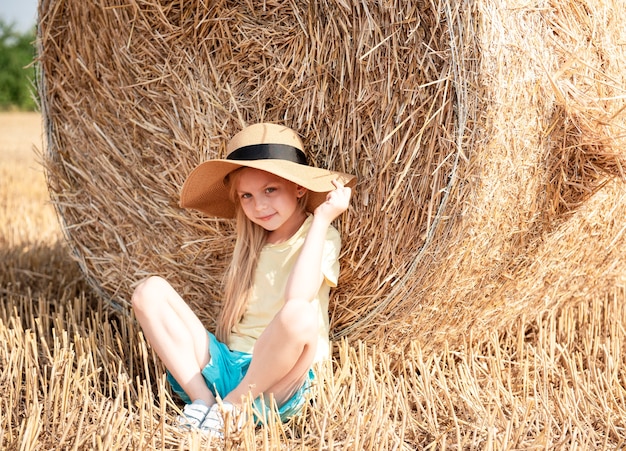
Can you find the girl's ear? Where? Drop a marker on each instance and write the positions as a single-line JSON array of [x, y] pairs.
[[301, 191]]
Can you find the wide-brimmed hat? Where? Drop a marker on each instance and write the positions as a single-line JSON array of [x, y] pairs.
[[270, 147]]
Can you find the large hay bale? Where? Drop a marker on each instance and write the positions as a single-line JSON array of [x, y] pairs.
[[484, 134]]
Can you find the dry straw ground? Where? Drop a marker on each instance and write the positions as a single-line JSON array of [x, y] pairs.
[[75, 375]]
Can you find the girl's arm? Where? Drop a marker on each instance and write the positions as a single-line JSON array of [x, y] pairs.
[[306, 276]]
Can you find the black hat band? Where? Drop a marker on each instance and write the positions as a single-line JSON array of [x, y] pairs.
[[269, 152]]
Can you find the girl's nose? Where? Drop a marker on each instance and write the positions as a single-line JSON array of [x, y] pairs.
[[259, 204]]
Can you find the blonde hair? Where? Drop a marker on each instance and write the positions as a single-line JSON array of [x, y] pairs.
[[239, 280]]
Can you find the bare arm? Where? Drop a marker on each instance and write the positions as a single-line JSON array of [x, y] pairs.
[[306, 276]]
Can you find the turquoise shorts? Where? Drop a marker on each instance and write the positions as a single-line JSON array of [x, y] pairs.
[[225, 371]]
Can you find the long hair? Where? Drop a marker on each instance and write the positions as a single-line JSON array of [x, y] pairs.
[[239, 280]]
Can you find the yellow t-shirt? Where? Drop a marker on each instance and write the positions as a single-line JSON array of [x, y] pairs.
[[275, 264]]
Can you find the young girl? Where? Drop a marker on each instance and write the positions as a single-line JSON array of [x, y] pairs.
[[274, 322]]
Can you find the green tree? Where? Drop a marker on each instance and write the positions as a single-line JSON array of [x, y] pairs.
[[17, 70]]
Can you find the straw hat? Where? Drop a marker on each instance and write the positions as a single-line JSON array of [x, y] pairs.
[[269, 147]]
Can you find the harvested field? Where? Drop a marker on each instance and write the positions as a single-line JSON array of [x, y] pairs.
[[76, 374]]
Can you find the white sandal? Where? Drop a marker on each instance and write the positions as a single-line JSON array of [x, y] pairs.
[[219, 416], [193, 414]]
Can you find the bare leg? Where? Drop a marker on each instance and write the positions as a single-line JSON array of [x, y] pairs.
[[282, 355], [175, 333]]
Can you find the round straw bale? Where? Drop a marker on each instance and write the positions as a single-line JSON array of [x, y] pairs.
[[486, 140]]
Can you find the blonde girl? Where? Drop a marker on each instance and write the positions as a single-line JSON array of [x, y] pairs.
[[273, 325]]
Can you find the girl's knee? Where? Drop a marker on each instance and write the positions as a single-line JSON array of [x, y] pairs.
[[147, 292]]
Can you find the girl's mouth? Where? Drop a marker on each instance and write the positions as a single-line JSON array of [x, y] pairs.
[[266, 218]]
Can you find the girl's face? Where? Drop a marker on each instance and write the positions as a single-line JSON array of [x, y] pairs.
[[271, 202]]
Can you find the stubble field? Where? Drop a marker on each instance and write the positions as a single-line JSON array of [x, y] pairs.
[[76, 375]]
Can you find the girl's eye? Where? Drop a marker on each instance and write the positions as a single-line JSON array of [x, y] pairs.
[[270, 190], [246, 196]]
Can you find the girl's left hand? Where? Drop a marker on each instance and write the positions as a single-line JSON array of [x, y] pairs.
[[337, 201]]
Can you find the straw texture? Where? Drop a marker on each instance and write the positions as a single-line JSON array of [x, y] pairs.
[[487, 137]]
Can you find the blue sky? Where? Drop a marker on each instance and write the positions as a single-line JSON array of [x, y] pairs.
[[22, 13]]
